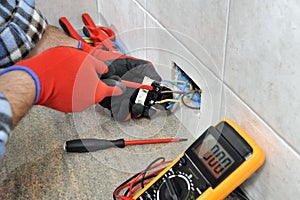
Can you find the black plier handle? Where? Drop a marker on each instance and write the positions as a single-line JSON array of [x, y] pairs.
[[68, 29]]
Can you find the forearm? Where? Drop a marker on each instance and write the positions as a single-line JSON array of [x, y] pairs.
[[19, 89], [53, 37]]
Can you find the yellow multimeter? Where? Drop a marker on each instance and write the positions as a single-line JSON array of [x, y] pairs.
[[221, 159]]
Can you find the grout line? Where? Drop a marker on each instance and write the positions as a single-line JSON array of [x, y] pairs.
[[224, 55], [226, 40], [98, 10]]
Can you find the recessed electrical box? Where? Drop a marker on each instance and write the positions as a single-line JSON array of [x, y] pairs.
[[189, 85]]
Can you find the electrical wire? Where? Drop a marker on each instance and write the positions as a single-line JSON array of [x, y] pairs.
[[167, 101], [176, 82], [182, 97], [139, 180], [185, 104], [171, 91], [183, 100], [178, 96], [148, 167], [188, 96], [119, 46], [145, 181]]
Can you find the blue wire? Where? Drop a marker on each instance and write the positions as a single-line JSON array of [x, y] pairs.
[[122, 51], [196, 97]]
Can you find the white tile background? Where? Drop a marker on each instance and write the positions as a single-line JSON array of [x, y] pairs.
[[245, 56], [71, 9]]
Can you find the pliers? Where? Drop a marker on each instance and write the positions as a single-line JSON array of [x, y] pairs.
[[102, 37]]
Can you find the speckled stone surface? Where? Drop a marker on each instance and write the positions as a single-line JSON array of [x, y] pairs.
[[35, 165]]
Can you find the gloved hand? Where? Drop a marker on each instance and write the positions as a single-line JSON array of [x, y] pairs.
[[67, 79], [123, 107], [128, 68]]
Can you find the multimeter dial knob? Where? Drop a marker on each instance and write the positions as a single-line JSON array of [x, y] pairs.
[[174, 188]]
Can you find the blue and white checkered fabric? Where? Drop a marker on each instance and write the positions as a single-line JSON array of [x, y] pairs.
[[5, 123], [21, 27]]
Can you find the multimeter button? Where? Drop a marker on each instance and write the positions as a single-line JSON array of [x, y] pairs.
[[182, 161]]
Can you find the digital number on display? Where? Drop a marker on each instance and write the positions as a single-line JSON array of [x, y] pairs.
[[214, 156]]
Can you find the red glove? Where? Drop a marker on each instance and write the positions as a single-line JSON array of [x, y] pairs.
[[67, 79]]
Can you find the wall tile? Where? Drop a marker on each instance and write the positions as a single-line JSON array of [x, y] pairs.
[[72, 9], [262, 62], [200, 25], [127, 20], [162, 49], [279, 177]]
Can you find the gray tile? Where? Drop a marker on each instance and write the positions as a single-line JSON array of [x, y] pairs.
[[278, 178], [262, 62], [72, 9], [127, 20], [200, 25], [162, 49]]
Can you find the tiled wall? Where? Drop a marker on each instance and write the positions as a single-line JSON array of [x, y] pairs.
[[244, 55]]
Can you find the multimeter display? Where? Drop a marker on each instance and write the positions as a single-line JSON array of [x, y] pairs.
[[212, 167], [214, 156]]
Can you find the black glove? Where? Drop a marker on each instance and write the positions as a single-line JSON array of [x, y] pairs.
[[128, 68]]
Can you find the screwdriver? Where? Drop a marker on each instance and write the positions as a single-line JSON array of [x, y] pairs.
[[92, 144], [136, 85]]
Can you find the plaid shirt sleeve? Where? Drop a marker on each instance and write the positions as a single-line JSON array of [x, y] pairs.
[[21, 27], [5, 123]]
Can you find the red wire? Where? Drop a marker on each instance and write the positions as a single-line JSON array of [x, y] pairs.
[[139, 186], [137, 178], [133, 189], [147, 181]]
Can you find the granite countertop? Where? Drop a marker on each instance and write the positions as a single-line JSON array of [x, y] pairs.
[[36, 167]]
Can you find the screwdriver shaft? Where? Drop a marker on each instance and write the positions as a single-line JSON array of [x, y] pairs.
[[136, 85], [153, 141]]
